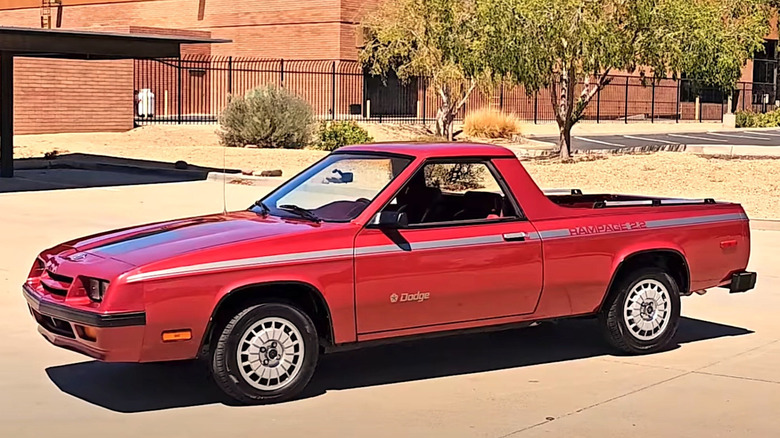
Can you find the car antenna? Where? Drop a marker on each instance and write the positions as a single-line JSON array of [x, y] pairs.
[[224, 180]]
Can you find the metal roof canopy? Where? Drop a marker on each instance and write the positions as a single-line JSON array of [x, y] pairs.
[[71, 44]]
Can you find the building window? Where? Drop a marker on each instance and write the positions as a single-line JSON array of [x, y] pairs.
[[689, 90], [765, 64]]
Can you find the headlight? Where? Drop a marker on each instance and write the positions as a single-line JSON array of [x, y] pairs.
[[95, 288]]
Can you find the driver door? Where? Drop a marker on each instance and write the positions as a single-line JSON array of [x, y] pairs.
[[464, 256]]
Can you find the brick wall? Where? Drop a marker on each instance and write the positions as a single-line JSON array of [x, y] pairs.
[[72, 96], [59, 96], [306, 29]]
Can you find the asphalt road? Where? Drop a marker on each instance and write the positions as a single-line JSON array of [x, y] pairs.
[[767, 138], [720, 379]]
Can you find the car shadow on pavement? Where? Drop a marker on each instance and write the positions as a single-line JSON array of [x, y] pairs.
[[72, 171], [149, 387]]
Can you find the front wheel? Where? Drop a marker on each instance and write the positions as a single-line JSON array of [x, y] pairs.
[[266, 353], [643, 314]]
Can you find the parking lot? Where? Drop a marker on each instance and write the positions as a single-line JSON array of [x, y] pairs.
[[769, 138], [553, 380]]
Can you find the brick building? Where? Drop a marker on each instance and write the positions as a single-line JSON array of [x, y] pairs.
[[60, 96]]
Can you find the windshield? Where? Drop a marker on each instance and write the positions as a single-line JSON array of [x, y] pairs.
[[337, 189]]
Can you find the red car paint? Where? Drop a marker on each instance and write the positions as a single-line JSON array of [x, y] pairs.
[[173, 275]]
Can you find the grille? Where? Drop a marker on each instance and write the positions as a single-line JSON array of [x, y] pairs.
[[54, 325], [55, 284], [58, 277]]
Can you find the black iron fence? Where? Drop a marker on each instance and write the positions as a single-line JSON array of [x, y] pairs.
[[196, 89]]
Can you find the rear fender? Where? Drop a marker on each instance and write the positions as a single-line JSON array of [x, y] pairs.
[[638, 249]]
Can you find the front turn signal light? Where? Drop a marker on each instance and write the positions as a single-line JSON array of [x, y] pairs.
[[176, 335]]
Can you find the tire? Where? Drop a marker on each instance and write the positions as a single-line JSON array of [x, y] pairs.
[[269, 335], [649, 325]]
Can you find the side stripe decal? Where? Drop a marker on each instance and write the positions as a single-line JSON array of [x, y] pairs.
[[696, 220], [433, 244], [379, 249], [242, 263]]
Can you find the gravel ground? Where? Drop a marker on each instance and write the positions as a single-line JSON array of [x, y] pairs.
[[755, 182]]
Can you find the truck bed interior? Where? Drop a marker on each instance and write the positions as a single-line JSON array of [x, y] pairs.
[[574, 198]]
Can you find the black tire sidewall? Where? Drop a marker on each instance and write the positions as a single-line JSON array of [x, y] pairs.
[[237, 387], [639, 345]]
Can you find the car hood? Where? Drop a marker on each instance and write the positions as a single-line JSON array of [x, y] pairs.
[[150, 243]]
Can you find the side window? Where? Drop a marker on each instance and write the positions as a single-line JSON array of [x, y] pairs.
[[443, 192]]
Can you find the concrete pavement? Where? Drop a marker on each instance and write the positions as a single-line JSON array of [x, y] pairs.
[[555, 380]]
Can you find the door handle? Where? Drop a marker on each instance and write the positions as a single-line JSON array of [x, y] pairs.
[[515, 237]]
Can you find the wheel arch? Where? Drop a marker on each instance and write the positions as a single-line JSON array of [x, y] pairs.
[[673, 260], [301, 294]]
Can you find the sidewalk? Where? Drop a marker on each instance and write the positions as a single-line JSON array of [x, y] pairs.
[[547, 129], [736, 150]]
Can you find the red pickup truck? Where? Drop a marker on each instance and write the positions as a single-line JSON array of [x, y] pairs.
[[381, 242]]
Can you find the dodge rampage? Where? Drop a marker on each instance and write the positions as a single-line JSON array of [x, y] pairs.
[[383, 242]]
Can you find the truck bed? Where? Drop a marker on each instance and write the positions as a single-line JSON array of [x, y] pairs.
[[574, 198]]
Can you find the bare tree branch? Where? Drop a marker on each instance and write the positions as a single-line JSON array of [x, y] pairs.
[[462, 101]]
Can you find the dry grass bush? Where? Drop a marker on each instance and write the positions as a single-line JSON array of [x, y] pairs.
[[491, 123]]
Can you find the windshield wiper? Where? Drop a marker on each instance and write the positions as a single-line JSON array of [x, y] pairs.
[[263, 208], [300, 211]]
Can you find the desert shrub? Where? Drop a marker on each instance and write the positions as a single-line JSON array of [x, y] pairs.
[[749, 119], [455, 177], [269, 117], [430, 138], [333, 135], [491, 123]]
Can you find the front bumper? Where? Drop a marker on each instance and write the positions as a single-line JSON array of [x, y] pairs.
[[116, 337]]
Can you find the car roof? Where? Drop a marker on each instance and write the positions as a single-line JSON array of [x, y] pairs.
[[432, 150]]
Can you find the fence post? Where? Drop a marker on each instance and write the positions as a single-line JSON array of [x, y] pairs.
[[536, 110], [230, 75], [425, 96], [333, 92], [179, 117], [501, 98], [625, 109], [652, 104], [281, 72], [698, 106], [677, 105], [598, 105], [743, 96]]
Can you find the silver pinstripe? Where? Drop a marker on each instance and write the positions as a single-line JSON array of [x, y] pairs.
[[434, 244]]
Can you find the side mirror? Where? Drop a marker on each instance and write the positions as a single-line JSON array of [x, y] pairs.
[[342, 178], [390, 219]]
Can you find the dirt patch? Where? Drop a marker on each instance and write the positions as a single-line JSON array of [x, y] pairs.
[[754, 182], [393, 133], [194, 144]]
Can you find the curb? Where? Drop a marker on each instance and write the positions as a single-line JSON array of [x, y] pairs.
[[765, 224], [671, 147], [102, 166], [734, 151], [231, 177]]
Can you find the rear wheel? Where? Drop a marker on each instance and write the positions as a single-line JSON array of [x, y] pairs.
[[266, 353], [643, 313]]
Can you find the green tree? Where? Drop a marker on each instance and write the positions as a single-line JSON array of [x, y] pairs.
[[562, 43], [437, 39]]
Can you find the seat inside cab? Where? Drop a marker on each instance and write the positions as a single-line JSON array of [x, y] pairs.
[[450, 193]]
